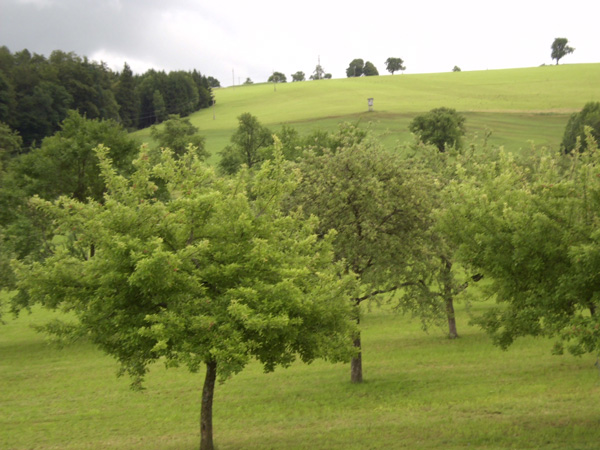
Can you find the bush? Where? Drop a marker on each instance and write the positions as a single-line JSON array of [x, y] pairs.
[[588, 116]]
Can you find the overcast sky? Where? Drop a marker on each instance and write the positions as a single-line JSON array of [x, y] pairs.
[[235, 39]]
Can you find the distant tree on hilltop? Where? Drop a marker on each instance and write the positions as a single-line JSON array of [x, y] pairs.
[[394, 64], [298, 76], [370, 69], [277, 77], [560, 49], [355, 69]]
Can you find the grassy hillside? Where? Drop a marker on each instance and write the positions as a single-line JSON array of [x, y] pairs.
[[517, 105]]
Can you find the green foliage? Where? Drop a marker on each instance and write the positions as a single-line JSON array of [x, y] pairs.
[[277, 77], [531, 228], [250, 145], [66, 164], [574, 134], [36, 92], [160, 109], [213, 82], [215, 274], [442, 127], [394, 65], [249, 81], [355, 69], [7, 98], [125, 96], [181, 93], [380, 208], [298, 76], [560, 49], [378, 204], [456, 69], [370, 70], [10, 144], [178, 134]]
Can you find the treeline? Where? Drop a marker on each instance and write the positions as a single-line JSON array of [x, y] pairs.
[[37, 92]]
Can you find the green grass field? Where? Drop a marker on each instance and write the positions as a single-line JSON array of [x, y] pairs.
[[517, 105], [422, 391]]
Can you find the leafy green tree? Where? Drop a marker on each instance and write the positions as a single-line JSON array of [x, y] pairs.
[[178, 134], [10, 144], [530, 227], [215, 275], [125, 97], [88, 83], [370, 70], [456, 69], [181, 94], [213, 82], [379, 206], [442, 127], [7, 99], [160, 108], [298, 76], [355, 69], [205, 95], [250, 145], [574, 131], [394, 65], [277, 77], [21, 228], [445, 278], [560, 49], [248, 81], [66, 163]]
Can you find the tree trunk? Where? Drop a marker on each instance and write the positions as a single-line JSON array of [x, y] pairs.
[[206, 434], [449, 299], [452, 333], [356, 363]]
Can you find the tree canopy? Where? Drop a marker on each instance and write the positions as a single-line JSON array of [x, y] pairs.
[[66, 163], [441, 127], [355, 69], [277, 77], [574, 133], [530, 226], [212, 274], [394, 65], [370, 70], [298, 76], [177, 134], [250, 145], [560, 49], [379, 207], [37, 92]]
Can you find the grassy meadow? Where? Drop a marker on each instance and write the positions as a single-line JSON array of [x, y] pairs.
[[518, 106], [421, 390]]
